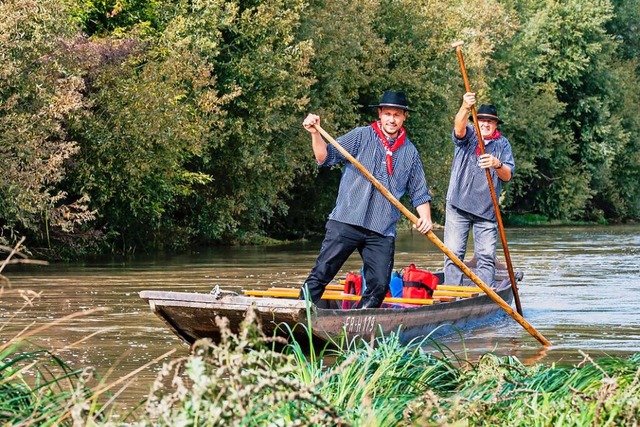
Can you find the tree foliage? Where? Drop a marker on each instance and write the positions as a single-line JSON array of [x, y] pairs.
[[157, 124], [561, 88], [261, 75], [39, 89], [137, 138]]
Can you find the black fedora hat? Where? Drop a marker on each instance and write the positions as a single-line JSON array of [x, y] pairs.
[[488, 112], [393, 100]]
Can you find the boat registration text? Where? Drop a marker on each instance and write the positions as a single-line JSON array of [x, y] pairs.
[[360, 324]]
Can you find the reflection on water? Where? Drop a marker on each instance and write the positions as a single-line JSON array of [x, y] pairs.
[[579, 291]]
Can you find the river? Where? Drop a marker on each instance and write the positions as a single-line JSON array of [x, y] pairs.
[[580, 290]]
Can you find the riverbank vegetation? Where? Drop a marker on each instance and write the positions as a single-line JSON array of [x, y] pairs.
[[148, 125], [243, 381]]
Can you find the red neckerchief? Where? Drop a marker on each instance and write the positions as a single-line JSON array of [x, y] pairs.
[[494, 135], [402, 135]]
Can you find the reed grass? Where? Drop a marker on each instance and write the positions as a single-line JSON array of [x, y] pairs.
[[38, 388], [246, 380]]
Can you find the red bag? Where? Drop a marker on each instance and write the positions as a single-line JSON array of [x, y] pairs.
[[417, 283], [353, 286]]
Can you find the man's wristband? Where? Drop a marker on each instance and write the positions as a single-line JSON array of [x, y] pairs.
[[499, 166]]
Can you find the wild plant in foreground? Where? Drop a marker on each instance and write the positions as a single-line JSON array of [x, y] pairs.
[[38, 388], [372, 383], [392, 384], [382, 378], [240, 381], [502, 391]]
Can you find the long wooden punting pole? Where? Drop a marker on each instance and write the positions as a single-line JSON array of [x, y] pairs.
[[494, 198], [494, 296]]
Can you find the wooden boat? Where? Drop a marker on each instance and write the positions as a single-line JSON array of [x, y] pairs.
[[191, 316]]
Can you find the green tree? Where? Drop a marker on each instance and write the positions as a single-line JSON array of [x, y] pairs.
[[188, 138], [262, 74], [136, 140], [109, 17], [164, 124], [39, 89], [625, 27], [559, 93], [624, 185]]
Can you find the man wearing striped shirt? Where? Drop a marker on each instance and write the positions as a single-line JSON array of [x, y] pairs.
[[469, 203], [363, 219]]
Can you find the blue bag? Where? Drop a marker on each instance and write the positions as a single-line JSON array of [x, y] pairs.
[[395, 285]]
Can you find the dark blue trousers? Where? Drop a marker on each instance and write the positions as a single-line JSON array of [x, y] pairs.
[[340, 241]]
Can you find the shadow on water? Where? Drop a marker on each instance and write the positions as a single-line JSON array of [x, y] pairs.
[[579, 291]]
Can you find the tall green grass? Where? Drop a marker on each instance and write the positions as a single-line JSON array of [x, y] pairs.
[[38, 388], [245, 382], [502, 391]]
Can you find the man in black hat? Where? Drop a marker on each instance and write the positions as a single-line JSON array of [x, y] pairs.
[[469, 203], [363, 219]]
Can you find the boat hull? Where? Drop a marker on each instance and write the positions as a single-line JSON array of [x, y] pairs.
[[192, 316]]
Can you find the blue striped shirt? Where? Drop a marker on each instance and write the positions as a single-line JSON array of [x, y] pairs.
[[468, 186], [359, 202]]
